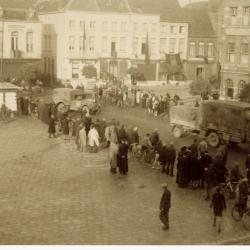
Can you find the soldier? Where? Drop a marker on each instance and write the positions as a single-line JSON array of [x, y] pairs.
[[165, 205]]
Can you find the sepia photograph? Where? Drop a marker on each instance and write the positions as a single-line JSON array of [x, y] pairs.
[[125, 123]]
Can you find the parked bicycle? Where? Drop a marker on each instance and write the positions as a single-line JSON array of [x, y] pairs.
[[241, 213], [229, 189]]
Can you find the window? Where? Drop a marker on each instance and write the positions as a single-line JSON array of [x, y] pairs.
[[241, 85], [192, 49], [114, 26], [153, 27], [14, 41], [163, 45], [123, 44], [135, 45], [145, 27], [72, 24], [144, 46], [71, 43], [29, 41], [81, 45], [181, 29], [92, 25], [123, 26], [75, 70], [163, 28], [210, 50], [172, 29], [135, 26], [246, 16], [233, 11], [201, 49], [231, 52], [181, 46], [244, 51], [113, 47], [199, 72], [104, 44], [230, 88], [105, 26], [153, 45], [91, 43], [172, 42]]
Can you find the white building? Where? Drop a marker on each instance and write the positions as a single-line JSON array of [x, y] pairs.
[[20, 40], [111, 38]]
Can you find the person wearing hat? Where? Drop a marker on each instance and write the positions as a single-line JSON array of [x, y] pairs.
[[165, 205], [218, 204]]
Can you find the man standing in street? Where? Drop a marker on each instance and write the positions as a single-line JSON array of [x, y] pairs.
[[165, 205]]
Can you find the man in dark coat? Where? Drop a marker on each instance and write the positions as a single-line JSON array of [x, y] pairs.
[[171, 156], [122, 157], [122, 134], [52, 127], [165, 205], [155, 138], [163, 155], [218, 204], [87, 123]]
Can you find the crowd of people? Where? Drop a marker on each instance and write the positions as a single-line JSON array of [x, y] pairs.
[[154, 104]]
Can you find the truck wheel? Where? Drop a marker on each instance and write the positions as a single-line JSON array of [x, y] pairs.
[[85, 109], [61, 108], [213, 139], [177, 132]]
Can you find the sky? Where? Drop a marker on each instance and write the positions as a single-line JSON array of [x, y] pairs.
[[183, 2]]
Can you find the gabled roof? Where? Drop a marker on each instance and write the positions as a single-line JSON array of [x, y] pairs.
[[122, 6], [17, 4], [197, 15], [154, 7], [100, 5]]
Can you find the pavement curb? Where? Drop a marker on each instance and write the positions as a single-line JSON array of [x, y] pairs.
[[234, 241]]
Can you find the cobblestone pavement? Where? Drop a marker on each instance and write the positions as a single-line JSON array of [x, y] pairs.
[[52, 194]]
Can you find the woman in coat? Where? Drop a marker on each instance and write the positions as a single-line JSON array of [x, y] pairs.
[[122, 157], [218, 204], [52, 126]]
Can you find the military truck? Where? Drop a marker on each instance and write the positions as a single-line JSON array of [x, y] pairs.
[[217, 120], [77, 100]]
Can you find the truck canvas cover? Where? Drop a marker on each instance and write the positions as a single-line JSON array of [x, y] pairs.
[[225, 116], [185, 115]]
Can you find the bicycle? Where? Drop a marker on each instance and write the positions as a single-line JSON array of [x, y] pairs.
[[240, 213], [228, 189]]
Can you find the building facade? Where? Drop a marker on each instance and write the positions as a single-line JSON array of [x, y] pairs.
[[20, 41], [202, 52], [78, 37], [233, 18]]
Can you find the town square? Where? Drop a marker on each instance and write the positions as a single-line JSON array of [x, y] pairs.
[[124, 122]]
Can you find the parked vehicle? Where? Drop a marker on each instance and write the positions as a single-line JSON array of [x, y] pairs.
[[216, 120], [77, 100]]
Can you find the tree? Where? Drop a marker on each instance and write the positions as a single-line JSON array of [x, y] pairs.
[[89, 71], [245, 93], [200, 87]]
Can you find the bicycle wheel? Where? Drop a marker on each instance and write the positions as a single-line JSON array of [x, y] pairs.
[[235, 212], [246, 219]]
